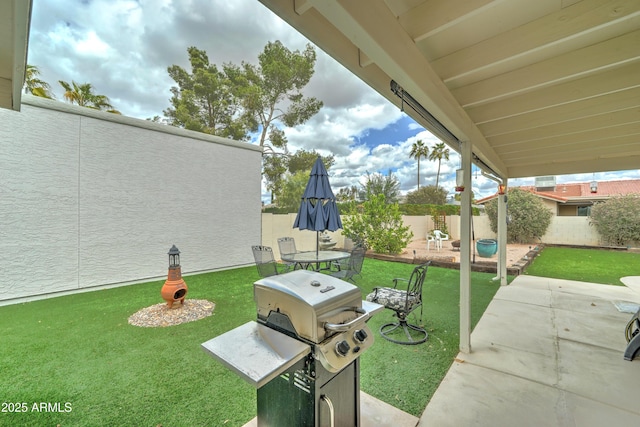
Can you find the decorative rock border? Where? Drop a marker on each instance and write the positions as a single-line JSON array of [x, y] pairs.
[[160, 315]]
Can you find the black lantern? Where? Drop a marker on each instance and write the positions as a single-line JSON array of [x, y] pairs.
[[174, 257]]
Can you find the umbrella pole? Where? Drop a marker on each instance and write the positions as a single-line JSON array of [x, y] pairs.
[[317, 243]]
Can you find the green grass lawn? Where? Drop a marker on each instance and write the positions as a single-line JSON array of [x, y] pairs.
[[586, 265], [79, 352]]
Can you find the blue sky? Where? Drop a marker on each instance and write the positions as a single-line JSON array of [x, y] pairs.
[[123, 48], [394, 133]]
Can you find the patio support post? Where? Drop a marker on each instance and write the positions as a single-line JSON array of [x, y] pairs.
[[465, 250], [502, 238]]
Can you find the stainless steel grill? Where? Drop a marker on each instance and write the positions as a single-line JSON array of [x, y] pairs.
[[302, 353]]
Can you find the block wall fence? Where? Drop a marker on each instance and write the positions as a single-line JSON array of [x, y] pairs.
[[91, 199], [562, 231]]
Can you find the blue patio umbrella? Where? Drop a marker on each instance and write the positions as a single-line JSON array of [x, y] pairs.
[[318, 210]]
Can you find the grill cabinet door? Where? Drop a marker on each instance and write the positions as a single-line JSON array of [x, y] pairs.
[[343, 390]]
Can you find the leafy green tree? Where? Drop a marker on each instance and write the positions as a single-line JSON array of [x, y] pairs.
[[83, 95], [346, 194], [378, 225], [418, 150], [617, 219], [439, 152], [271, 92], [157, 119], [378, 184], [427, 195], [303, 160], [34, 85], [273, 169], [276, 168], [236, 100], [529, 217], [205, 101], [289, 194]]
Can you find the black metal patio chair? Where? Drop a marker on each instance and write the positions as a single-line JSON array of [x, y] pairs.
[[266, 263], [287, 245], [352, 266], [403, 303]]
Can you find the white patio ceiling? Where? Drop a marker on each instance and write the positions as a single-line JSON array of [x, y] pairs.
[[539, 87]]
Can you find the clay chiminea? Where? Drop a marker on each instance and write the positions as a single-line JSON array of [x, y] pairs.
[[174, 289]]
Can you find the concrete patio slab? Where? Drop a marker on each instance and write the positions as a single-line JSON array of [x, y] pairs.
[[582, 412], [608, 292], [472, 395], [516, 325], [596, 330], [632, 282], [546, 352], [599, 374], [539, 366], [525, 295], [588, 305]]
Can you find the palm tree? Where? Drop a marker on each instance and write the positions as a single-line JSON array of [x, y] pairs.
[[82, 95], [439, 152], [35, 86], [418, 150]]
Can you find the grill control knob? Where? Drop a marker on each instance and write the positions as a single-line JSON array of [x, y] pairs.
[[342, 348], [360, 335]]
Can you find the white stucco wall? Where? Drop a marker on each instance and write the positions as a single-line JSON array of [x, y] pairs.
[[92, 199]]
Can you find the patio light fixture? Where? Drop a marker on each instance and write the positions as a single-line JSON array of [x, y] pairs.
[[594, 186]]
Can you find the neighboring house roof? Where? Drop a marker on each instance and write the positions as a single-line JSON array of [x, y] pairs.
[[581, 191]]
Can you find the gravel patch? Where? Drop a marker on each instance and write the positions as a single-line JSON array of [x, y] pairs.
[[161, 315]]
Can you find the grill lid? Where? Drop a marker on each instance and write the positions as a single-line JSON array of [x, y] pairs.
[[309, 300], [308, 287]]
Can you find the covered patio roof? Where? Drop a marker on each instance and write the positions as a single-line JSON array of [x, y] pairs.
[[15, 16], [520, 88], [543, 87]]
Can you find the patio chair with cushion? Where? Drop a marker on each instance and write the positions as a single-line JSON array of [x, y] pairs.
[[403, 302], [266, 263], [352, 266]]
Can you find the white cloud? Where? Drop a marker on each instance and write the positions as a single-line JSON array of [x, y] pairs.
[[123, 48], [91, 45]]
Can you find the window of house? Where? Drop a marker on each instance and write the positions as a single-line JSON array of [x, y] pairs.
[[584, 210]]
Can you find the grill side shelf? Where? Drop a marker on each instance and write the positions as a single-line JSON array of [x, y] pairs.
[[255, 352]]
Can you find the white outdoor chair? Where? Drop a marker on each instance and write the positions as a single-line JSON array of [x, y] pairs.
[[440, 237], [431, 238]]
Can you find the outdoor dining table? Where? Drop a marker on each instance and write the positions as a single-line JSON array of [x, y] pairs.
[[314, 258]]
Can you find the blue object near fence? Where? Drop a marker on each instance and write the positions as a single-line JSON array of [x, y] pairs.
[[487, 247]]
